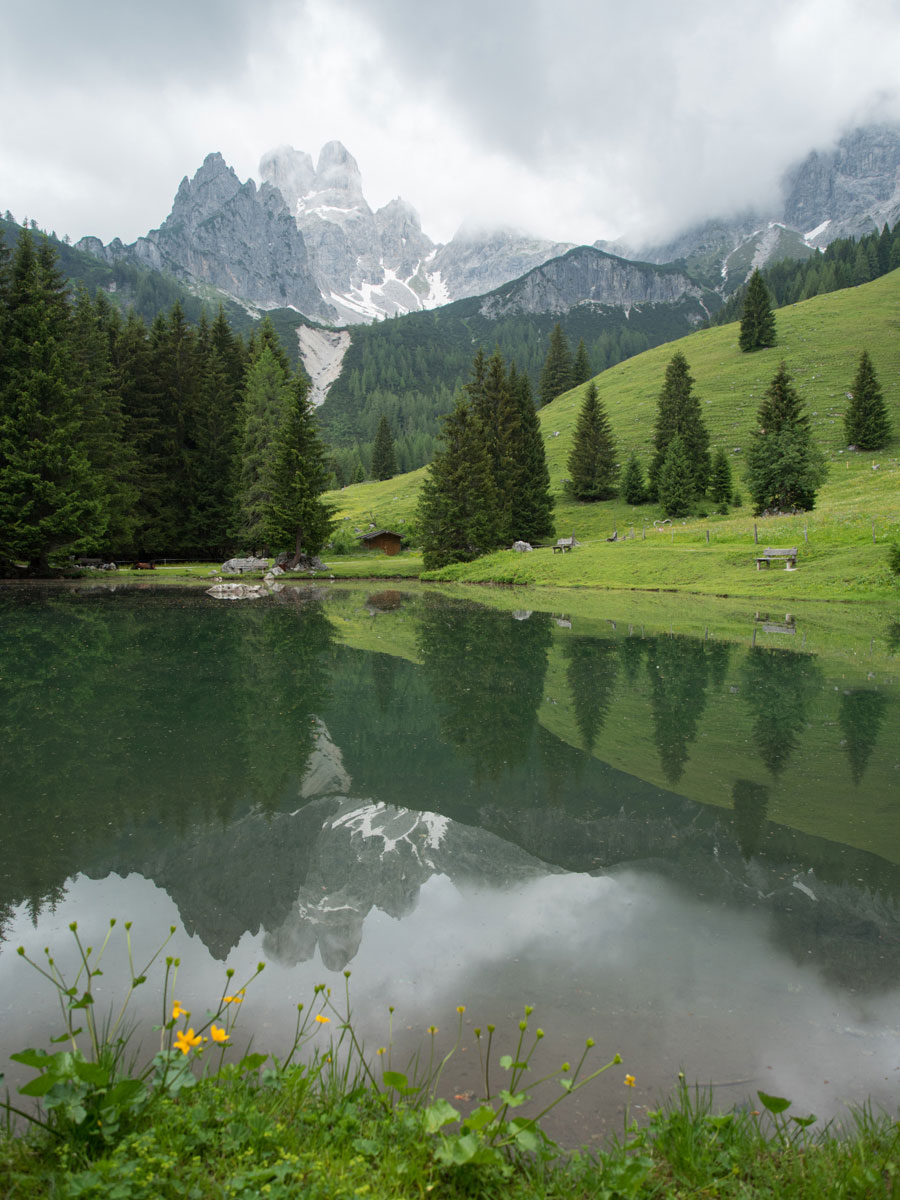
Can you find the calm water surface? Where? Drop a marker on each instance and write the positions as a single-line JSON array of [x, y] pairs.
[[684, 846]]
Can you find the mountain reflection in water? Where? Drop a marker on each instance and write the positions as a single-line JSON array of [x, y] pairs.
[[666, 841]]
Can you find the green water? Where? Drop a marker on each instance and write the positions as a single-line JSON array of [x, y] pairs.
[[684, 845]]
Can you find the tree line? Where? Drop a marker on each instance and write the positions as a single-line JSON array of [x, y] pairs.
[[784, 467], [845, 262], [133, 442], [410, 368], [488, 484]]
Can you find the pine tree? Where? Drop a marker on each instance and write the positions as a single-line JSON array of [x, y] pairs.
[[457, 514], [556, 376], [529, 504], [633, 490], [757, 319], [384, 461], [721, 486], [866, 420], [592, 462], [93, 332], [678, 414], [50, 498], [785, 468], [264, 412], [675, 486], [296, 515], [581, 368]]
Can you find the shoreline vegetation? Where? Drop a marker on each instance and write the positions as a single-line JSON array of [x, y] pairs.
[[332, 1119]]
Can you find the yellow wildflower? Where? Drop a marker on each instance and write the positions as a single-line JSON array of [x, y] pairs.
[[218, 1034], [186, 1039], [239, 999], [460, 1008], [629, 1081], [322, 1020], [177, 1011]]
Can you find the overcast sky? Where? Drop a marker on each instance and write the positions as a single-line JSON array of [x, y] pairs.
[[573, 119]]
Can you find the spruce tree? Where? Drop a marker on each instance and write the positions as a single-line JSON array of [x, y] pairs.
[[633, 490], [721, 487], [757, 319], [51, 500], [296, 516], [384, 461], [457, 515], [593, 469], [112, 458], [785, 468], [866, 420], [529, 504], [675, 485], [581, 368], [556, 376], [678, 414], [263, 415]]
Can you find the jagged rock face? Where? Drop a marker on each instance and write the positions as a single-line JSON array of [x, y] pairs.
[[477, 262], [855, 187], [289, 170], [588, 275], [369, 264], [236, 238]]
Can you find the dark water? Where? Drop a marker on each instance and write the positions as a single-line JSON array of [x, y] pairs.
[[684, 846]]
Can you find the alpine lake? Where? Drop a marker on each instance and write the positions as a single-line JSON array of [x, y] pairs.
[[670, 825]]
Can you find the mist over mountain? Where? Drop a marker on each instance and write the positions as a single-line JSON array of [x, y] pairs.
[[307, 238]]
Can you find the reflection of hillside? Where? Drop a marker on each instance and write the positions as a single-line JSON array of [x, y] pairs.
[[309, 877], [200, 749]]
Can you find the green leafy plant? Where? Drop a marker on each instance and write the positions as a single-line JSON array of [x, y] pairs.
[[93, 1090]]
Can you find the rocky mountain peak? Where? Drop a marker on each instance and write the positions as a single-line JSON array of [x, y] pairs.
[[290, 171], [337, 172], [212, 186]]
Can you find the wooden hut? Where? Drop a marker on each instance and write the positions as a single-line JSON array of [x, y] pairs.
[[382, 539]]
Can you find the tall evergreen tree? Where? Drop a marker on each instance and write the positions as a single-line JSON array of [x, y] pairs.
[[50, 498], [297, 516], [721, 486], [458, 507], [785, 468], [866, 420], [675, 485], [384, 461], [210, 447], [593, 469], [263, 416], [581, 367], [678, 414], [757, 319], [529, 503], [556, 376]]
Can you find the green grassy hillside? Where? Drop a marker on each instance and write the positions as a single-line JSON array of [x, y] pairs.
[[820, 340]]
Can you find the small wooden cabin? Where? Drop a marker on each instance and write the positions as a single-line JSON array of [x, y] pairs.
[[382, 539]]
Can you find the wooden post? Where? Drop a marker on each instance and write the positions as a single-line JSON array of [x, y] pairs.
[[643, 533], [632, 531], [806, 534], [673, 536], [707, 537], [755, 535]]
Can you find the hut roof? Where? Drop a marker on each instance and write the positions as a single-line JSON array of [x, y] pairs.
[[368, 537]]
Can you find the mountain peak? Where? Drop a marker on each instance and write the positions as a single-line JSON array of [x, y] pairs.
[[338, 171], [289, 170]]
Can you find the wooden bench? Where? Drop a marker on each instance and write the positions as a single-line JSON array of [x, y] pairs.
[[563, 545], [772, 554]]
